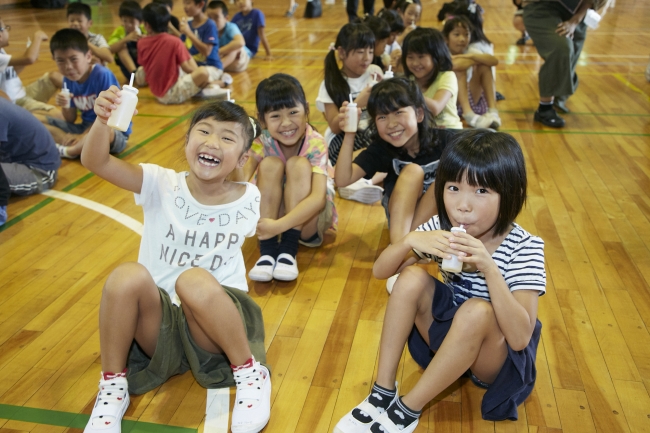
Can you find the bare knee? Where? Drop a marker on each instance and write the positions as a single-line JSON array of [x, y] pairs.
[[271, 166], [298, 166], [127, 280], [200, 75], [411, 173], [410, 283], [196, 286], [475, 314]]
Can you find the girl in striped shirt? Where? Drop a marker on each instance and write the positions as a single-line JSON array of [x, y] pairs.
[[481, 321]]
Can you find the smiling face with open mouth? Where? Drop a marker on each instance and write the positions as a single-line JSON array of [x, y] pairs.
[[214, 149], [287, 125], [400, 128]]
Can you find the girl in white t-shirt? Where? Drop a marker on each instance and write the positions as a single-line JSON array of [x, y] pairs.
[[184, 302], [427, 59], [354, 46]]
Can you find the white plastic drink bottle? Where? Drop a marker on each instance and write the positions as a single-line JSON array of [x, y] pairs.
[[121, 117], [389, 73], [66, 93], [453, 265], [351, 117]]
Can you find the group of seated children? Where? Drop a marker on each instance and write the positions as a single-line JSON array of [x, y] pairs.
[[188, 309]]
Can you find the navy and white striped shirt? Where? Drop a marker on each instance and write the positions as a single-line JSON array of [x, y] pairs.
[[520, 258]]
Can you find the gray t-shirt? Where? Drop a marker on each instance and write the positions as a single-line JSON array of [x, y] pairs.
[[25, 140]]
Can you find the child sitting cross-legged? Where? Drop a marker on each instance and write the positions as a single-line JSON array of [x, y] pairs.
[[233, 51], [124, 39], [186, 309], [161, 55]]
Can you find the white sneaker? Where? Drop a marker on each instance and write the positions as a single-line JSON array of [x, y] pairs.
[[253, 399], [387, 426], [110, 405], [482, 121], [262, 272], [390, 282], [496, 120], [362, 191], [213, 92], [365, 410], [285, 271]]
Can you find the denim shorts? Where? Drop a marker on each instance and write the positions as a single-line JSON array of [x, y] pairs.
[[117, 145]]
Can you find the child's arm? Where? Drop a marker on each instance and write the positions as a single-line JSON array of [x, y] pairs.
[[172, 30], [189, 66], [245, 174], [434, 242], [303, 212], [203, 47], [347, 172], [265, 42], [234, 45], [121, 44], [103, 54], [31, 54], [476, 59], [95, 154], [69, 114], [516, 311], [438, 102]]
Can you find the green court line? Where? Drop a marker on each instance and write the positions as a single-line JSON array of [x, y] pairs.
[[559, 131], [79, 421], [78, 182]]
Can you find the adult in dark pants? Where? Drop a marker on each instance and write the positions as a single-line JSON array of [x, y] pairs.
[[352, 6], [558, 34]]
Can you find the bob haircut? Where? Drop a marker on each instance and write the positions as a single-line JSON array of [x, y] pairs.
[[380, 28], [352, 36], [457, 21], [393, 19], [486, 159], [157, 16], [277, 92], [225, 111], [390, 95], [69, 39], [427, 41]]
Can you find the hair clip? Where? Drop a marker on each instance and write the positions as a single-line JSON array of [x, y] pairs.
[[332, 47], [253, 125], [472, 8]]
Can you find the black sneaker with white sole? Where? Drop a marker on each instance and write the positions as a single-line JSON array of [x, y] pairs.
[[549, 118]]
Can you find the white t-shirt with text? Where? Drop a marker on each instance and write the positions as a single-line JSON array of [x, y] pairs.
[[10, 82]]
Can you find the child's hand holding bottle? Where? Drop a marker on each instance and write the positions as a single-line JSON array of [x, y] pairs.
[[471, 250], [107, 101], [434, 242], [348, 122]]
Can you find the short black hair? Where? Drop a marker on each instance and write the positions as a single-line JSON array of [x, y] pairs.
[[226, 111], [205, 3], [169, 3], [66, 39], [157, 16], [388, 96], [402, 5], [427, 41], [487, 159], [277, 92], [379, 28], [130, 8], [393, 19], [214, 4], [78, 8]]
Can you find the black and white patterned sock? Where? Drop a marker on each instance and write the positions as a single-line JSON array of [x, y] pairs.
[[380, 397], [400, 414]]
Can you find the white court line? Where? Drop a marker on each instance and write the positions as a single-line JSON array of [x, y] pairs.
[[218, 402], [121, 218]]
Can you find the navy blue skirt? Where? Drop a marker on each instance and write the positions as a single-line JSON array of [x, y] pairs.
[[515, 381]]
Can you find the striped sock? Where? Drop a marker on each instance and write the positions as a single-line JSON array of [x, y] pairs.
[[400, 414], [379, 397]]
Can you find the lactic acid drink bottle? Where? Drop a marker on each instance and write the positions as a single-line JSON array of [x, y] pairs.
[[453, 265], [121, 117], [66, 93], [389, 73], [351, 117]]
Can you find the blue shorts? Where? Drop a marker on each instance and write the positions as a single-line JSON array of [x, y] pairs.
[[117, 145], [515, 381]]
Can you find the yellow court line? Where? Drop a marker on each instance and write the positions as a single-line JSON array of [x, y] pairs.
[[631, 86]]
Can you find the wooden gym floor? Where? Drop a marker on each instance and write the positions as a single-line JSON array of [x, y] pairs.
[[589, 198]]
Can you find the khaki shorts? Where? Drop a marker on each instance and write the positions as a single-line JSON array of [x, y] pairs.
[[31, 104], [181, 91], [241, 62], [42, 89], [177, 352]]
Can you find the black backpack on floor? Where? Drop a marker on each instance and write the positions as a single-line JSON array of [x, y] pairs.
[[313, 9]]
